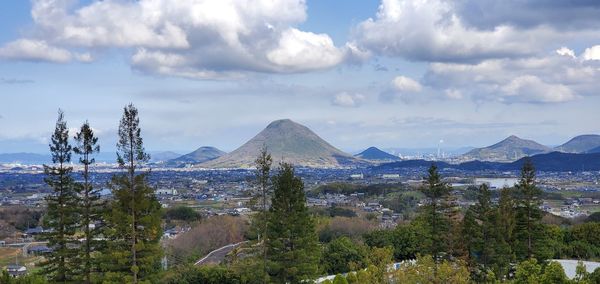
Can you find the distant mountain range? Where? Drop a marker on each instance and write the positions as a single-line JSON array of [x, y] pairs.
[[200, 155], [375, 154], [286, 141], [514, 148], [554, 162], [158, 157], [509, 149], [580, 144]]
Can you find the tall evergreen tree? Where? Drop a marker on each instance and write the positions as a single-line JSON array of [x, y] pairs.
[[61, 218], [134, 220], [263, 169], [528, 219], [437, 221], [293, 248], [91, 208], [506, 223]]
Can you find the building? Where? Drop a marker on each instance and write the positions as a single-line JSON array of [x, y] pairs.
[[165, 191], [16, 270]]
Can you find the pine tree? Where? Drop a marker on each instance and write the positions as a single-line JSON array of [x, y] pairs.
[[529, 215], [61, 218], [91, 208], [263, 169], [293, 248], [134, 219], [435, 212], [506, 222]]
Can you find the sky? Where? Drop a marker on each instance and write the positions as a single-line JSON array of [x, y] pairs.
[[390, 73]]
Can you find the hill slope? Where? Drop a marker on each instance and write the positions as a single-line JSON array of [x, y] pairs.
[[286, 141], [374, 154], [200, 155], [507, 150], [580, 144]]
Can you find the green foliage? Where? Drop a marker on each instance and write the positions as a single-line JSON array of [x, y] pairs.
[[292, 244], [402, 202], [182, 213], [90, 207], [554, 274], [339, 279], [582, 240], [201, 274], [403, 239], [335, 211], [435, 213], [483, 237], [5, 278], [62, 215], [425, 270], [134, 221], [594, 217], [528, 272], [350, 188], [529, 231], [343, 255]]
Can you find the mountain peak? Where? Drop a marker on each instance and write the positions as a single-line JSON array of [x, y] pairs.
[[286, 141], [375, 154], [282, 123]]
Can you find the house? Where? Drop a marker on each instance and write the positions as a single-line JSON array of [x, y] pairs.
[[15, 270], [37, 250]]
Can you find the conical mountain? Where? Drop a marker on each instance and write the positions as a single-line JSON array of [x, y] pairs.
[[507, 150], [580, 144], [286, 141], [375, 154], [200, 155]]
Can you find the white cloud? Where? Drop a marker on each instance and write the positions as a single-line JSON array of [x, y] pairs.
[[345, 99], [304, 50], [431, 30], [405, 84], [192, 38], [34, 50], [532, 88], [564, 51], [546, 79], [592, 53]]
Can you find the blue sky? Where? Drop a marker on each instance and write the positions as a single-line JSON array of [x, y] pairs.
[[389, 73]]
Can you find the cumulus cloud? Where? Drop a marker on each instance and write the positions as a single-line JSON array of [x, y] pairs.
[[447, 31], [405, 84], [546, 79], [432, 31], [34, 50], [40, 50], [196, 39], [592, 53], [345, 99], [532, 88], [564, 51]]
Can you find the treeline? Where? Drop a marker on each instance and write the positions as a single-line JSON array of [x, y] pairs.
[[91, 239]]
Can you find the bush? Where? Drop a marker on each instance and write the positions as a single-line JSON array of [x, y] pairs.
[[182, 213], [343, 255]]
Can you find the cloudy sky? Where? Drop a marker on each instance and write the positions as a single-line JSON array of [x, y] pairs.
[[394, 73]]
